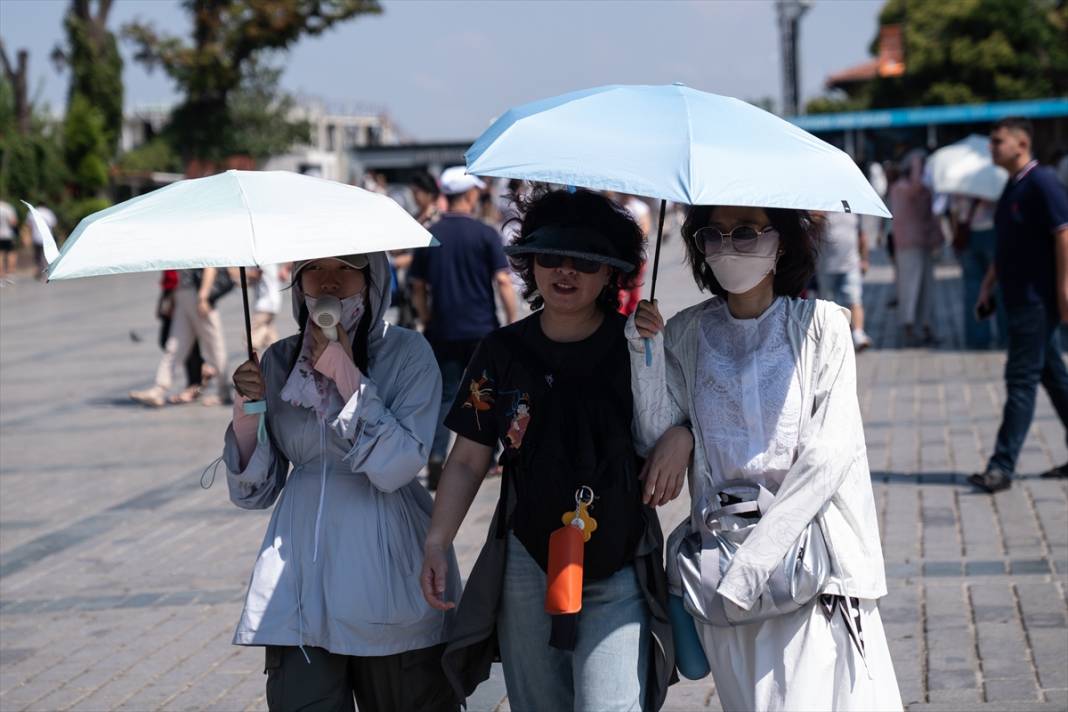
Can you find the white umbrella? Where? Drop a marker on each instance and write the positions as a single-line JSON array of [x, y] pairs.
[[235, 219], [965, 168], [232, 219]]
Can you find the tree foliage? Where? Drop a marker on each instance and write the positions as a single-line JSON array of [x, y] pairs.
[[91, 53], [970, 51], [223, 74], [31, 163]]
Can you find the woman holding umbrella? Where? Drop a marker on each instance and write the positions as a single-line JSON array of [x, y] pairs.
[[553, 390], [768, 384], [334, 594]]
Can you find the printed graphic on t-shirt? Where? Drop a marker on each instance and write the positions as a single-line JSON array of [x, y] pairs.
[[519, 414], [480, 396]]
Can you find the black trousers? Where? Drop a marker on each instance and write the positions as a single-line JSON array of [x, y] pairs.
[[412, 681]]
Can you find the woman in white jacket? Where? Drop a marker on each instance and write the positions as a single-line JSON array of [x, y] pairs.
[[767, 382]]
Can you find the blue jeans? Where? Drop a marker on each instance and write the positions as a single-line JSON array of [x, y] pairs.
[[974, 262], [1034, 357], [606, 671]]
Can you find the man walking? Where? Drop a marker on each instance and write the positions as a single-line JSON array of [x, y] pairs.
[[453, 292], [1031, 267], [843, 261]]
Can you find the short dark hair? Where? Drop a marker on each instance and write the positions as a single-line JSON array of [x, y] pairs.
[[799, 236], [426, 183], [453, 198], [1016, 123], [581, 208]]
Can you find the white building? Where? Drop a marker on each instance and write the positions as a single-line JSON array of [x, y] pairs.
[[335, 132]]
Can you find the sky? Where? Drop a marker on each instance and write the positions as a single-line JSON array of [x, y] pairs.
[[443, 69]]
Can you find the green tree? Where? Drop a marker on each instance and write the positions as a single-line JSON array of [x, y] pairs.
[[970, 51], [223, 73], [31, 162], [92, 55]]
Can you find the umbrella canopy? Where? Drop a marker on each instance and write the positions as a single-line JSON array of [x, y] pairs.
[[673, 143], [965, 168], [233, 219]]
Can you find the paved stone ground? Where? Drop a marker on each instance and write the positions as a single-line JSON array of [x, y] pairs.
[[121, 579]]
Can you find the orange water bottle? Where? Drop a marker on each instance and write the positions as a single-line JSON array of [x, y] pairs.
[[566, 548]]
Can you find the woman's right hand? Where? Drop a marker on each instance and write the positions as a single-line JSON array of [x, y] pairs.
[[647, 319], [434, 574], [248, 380]]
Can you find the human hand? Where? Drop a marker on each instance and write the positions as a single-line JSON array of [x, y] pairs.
[[320, 342], [982, 304], [248, 380], [647, 319], [434, 575], [664, 473], [204, 307]]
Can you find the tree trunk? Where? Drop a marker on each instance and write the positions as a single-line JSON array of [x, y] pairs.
[[17, 77]]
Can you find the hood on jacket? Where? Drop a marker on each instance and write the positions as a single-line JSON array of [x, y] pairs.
[[379, 292]]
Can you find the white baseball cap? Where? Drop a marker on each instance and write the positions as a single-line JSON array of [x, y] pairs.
[[456, 180]]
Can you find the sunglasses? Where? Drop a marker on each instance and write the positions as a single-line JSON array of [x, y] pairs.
[[744, 239], [551, 261]]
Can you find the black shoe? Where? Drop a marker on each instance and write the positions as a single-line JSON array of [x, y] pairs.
[[1059, 472], [433, 474], [992, 480]]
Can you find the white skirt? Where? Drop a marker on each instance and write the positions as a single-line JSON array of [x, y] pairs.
[[802, 661]]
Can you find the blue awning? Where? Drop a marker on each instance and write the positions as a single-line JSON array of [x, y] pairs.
[[925, 115]]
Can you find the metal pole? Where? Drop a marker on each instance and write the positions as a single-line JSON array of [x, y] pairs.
[[248, 318], [656, 254]]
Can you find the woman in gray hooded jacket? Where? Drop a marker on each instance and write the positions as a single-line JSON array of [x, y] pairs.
[[334, 594]]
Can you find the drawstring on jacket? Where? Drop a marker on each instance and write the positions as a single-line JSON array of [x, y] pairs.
[[318, 522]]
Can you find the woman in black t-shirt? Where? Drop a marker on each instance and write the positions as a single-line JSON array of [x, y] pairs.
[[553, 390]]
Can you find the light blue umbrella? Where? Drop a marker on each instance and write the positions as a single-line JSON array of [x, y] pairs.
[[672, 143]]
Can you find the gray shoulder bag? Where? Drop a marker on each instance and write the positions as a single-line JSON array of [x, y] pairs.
[[697, 559]]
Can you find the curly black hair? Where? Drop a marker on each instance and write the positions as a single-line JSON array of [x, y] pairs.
[[579, 208], [799, 239]]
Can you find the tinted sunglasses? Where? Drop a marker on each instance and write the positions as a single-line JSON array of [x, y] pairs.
[[551, 261], [710, 240]]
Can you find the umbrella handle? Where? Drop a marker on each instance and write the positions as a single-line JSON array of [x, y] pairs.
[[656, 269]]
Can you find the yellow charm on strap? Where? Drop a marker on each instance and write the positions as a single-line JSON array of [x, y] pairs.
[[580, 518]]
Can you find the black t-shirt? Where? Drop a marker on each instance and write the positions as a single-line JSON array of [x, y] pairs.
[[460, 272], [562, 412], [1032, 208]]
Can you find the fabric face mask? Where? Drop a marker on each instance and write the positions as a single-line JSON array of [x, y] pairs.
[[737, 272], [352, 309]]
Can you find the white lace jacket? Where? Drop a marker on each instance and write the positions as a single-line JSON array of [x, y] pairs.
[[829, 477]]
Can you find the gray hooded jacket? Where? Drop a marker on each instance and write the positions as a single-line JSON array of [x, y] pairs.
[[339, 564]]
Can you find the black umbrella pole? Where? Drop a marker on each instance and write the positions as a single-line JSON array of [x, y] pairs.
[[656, 254], [248, 318]]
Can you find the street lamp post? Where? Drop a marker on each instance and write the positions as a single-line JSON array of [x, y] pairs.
[[790, 12]]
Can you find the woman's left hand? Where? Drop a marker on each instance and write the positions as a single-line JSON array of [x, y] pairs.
[[664, 473], [320, 342]]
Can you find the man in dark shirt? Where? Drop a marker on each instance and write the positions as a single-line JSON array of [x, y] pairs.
[[1031, 267], [453, 292]]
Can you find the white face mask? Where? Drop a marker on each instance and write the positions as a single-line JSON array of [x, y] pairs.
[[352, 309], [738, 273]]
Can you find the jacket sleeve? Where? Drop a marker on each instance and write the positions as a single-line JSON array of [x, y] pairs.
[[390, 442], [257, 484], [655, 388], [831, 447]]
